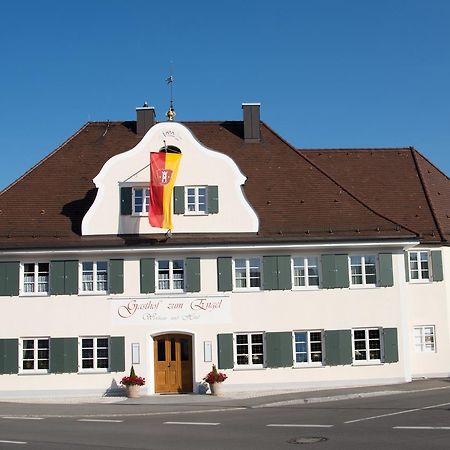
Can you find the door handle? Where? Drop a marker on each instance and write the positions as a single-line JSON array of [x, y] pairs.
[[168, 365]]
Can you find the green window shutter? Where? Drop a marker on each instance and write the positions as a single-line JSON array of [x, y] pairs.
[[225, 351], [436, 265], [213, 199], [126, 201], [71, 277], [279, 350], [390, 345], [116, 276], [178, 200], [147, 275], [270, 272], [224, 274], [57, 277], [338, 347], [63, 355], [406, 257], [335, 271], [117, 354], [9, 278], [192, 270], [284, 272], [386, 277], [9, 356]]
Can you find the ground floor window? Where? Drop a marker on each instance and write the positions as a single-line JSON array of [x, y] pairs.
[[249, 349], [35, 354], [94, 353], [307, 347], [367, 345], [424, 339]]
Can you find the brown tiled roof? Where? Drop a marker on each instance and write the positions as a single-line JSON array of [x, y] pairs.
[[298, 195]]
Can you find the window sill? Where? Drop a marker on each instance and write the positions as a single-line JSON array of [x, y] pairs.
[[308, 366], [186, 214], [90, 294], [420, 281], [376, 362], [34, 372], [242, 368], [363, 286], [305, 288], [92, 371], [252, 289], [34, 294]]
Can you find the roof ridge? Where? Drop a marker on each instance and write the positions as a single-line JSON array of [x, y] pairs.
[[425, 190], [7, 188], [353, 148], [339, 184]]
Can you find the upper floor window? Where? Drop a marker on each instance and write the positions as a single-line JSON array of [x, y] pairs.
[[94, 353], [35, 355], [170, 274], [419, 266], [307, 347], [247, 273], [35, 278], [305, 271], [367, 345], [363, 270], [424, 339], [141, 201], [249, 349], [94, 276], [196, 200]]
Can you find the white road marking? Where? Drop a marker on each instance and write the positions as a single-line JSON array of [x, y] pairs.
[[191, 423], [13, 442], [306, 425], [397, 413], [22, 418], [421, 428], [99, 420]]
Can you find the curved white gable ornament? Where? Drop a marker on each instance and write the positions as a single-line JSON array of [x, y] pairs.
[[199, 166]]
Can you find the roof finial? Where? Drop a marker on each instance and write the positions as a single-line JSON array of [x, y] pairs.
[[171, 112]]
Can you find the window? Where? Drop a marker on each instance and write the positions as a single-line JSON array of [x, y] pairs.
[[170, 275], [247, 273], [424, 339], [419, 266], [307, 347], [35, 355], [196, 200], [95, 353], [363, 270], [249, 350], [305, 271], [141, 201], [94, 276], [367, 345], [35, 278]]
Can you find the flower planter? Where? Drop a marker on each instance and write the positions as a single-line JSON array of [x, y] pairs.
[[216, 389], [133, 391]]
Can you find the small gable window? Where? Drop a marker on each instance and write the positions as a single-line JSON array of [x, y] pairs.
[[196, 199], [141, 200]]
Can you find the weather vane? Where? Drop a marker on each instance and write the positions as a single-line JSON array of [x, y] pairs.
[[171, 112]]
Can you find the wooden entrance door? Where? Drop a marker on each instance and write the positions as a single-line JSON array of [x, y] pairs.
[[173, 363]]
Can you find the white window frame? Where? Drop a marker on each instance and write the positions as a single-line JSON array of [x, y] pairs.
[[250, 364], [36, 279], [248, 278], [306, 264], [422, 346], [35, 351], [309, 351], [197, 211], [420, 269], [171, 280], [95, 357], [364, 275], [367, 360], [145, 200], [95, 280]]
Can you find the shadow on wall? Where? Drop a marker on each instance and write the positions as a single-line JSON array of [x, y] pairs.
[[115, 390], [77, 209]]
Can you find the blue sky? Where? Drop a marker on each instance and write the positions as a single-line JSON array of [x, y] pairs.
[[347, 73]]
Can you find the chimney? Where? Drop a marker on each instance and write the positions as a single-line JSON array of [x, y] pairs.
[[251, 122], [145, 119]]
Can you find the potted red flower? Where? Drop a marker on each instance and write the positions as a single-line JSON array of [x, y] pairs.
[[132, 384], [215, 380]]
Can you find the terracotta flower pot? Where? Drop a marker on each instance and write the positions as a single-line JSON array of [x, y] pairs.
[[216, 389], [133, 391]]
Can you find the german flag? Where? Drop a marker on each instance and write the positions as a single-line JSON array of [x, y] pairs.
[[163, 173]]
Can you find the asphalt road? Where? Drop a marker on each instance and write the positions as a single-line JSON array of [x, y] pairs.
[[414, 420]]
